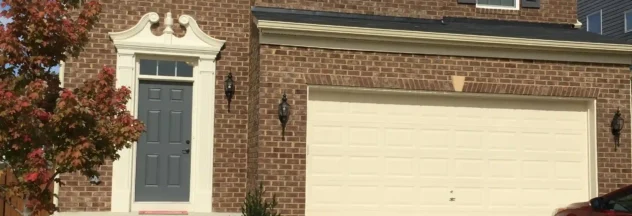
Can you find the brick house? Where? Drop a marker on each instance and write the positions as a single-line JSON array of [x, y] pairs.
[[404, 107]]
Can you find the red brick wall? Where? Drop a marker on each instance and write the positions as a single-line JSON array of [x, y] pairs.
[[551, 11], [282, 163], [226, 20], [253, 107]]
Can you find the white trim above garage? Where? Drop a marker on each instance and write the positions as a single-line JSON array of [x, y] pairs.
[[419, 42], [200, 50]]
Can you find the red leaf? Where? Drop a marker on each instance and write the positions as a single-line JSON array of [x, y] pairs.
[[31, 177]]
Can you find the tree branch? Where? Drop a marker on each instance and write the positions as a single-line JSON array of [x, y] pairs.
[[50, 180]]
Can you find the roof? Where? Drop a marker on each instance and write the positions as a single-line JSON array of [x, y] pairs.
[[453, 25]]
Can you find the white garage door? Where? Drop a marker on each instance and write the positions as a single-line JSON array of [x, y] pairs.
[[387, 154]]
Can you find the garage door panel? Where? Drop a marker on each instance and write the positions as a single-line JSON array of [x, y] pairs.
[[370, 181], [400, 137], [567, 142], [468, 167], [568, 184], [435, 138], [360, 195], [502, 167], [469, 139], [400, 166], [346, 181], [362, 136], [401, 195], [528, 184], [390, 153], [409, 152], [565, 170], [470, 197], [500, 140], [503, 198], [416, 154], [536, 197], [550, 156], [321, 194], [416, 182], [328, 134], [433, 167], [486, 183], [499, 156], [326, 165], [568, 194], [535, 169], [364, 166]]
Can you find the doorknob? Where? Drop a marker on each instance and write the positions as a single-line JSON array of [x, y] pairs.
[[188, 142], [186, 151]]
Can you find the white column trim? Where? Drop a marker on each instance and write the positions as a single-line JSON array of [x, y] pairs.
[[62, 67], [122, 168], [203, 49]]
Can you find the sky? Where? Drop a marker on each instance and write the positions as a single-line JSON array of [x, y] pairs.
[[4, 20]]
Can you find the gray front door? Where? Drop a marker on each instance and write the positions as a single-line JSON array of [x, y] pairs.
[[163, 160]]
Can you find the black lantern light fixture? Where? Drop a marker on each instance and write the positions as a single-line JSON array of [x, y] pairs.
[[616, 125], [95, 180], [284, 113], [229, 88]]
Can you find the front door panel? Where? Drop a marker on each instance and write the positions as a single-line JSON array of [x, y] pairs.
[[163, 160]]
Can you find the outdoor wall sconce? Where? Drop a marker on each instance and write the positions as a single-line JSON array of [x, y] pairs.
[[284, 113], [229, 88], [616, 125], [95, 180]]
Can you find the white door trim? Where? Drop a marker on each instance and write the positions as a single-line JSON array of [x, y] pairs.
[[139, 41]]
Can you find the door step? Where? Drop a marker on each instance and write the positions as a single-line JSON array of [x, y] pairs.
[[163, 212]]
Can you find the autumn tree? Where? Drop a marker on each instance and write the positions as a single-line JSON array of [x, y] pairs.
[[47, 130]]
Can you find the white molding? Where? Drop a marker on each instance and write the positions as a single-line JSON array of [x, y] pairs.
[[140, 39], [62, 71], [577, 25], [420, 42], [62, 66], [593, 163], [199, 49]]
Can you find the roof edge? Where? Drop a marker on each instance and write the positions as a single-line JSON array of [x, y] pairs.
[[399, 35], [270, 28], [259, 9]]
